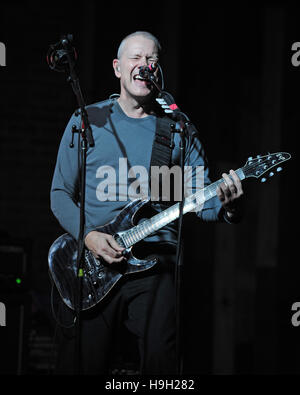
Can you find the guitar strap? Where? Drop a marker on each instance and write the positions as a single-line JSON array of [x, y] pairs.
[[162, 148], [163, 143]]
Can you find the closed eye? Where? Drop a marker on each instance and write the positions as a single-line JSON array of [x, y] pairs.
[[150, 59]]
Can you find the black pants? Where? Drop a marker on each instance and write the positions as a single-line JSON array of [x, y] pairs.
[[145, 302]]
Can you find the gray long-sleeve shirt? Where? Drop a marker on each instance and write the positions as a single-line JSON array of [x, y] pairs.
[[117, 171]]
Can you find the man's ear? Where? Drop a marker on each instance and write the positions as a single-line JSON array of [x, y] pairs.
[[116, 67]]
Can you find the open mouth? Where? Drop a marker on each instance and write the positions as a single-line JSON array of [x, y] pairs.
[[141, 81]]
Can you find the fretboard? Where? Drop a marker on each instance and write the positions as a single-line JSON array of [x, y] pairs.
[[193, 202]]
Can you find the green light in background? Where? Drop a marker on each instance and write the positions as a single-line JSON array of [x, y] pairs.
[[18, 280]]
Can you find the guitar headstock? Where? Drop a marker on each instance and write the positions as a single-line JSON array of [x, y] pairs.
[[256, 167]]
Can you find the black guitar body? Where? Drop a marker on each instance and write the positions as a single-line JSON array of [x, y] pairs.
[[98, 276]]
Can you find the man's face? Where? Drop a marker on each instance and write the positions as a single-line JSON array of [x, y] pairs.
[[137, 51]]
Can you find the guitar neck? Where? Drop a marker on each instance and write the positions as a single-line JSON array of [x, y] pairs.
[[147, 227]]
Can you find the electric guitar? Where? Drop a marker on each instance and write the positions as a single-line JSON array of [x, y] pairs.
[[99, 277]]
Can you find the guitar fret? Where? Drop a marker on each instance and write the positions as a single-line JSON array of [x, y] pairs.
[[129, 237], [143, 230], [151, 227], [132, 234], [146, 227], [127, 240], [136, 234]]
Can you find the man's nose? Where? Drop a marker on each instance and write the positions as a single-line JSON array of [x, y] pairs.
[[143, 61]]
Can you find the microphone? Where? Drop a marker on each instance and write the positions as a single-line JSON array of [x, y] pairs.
[[147, 71], [60, 54]]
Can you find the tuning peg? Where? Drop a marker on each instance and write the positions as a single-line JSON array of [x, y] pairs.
[[271, 174], [263, 179], [279, 169], [250, 158], [258, 156]]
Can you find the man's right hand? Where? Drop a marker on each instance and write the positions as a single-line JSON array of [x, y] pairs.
[[105, 246]]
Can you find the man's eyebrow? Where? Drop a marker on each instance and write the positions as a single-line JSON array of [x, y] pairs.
[[147, 56], [137, 53]]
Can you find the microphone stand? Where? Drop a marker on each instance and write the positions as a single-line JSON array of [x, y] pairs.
[[86, 140], [62, 60], [182, 122]]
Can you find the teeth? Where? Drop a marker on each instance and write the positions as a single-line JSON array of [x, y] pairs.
[[138, 77]]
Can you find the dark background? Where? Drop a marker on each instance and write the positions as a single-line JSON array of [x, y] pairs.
[[229, 68]]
